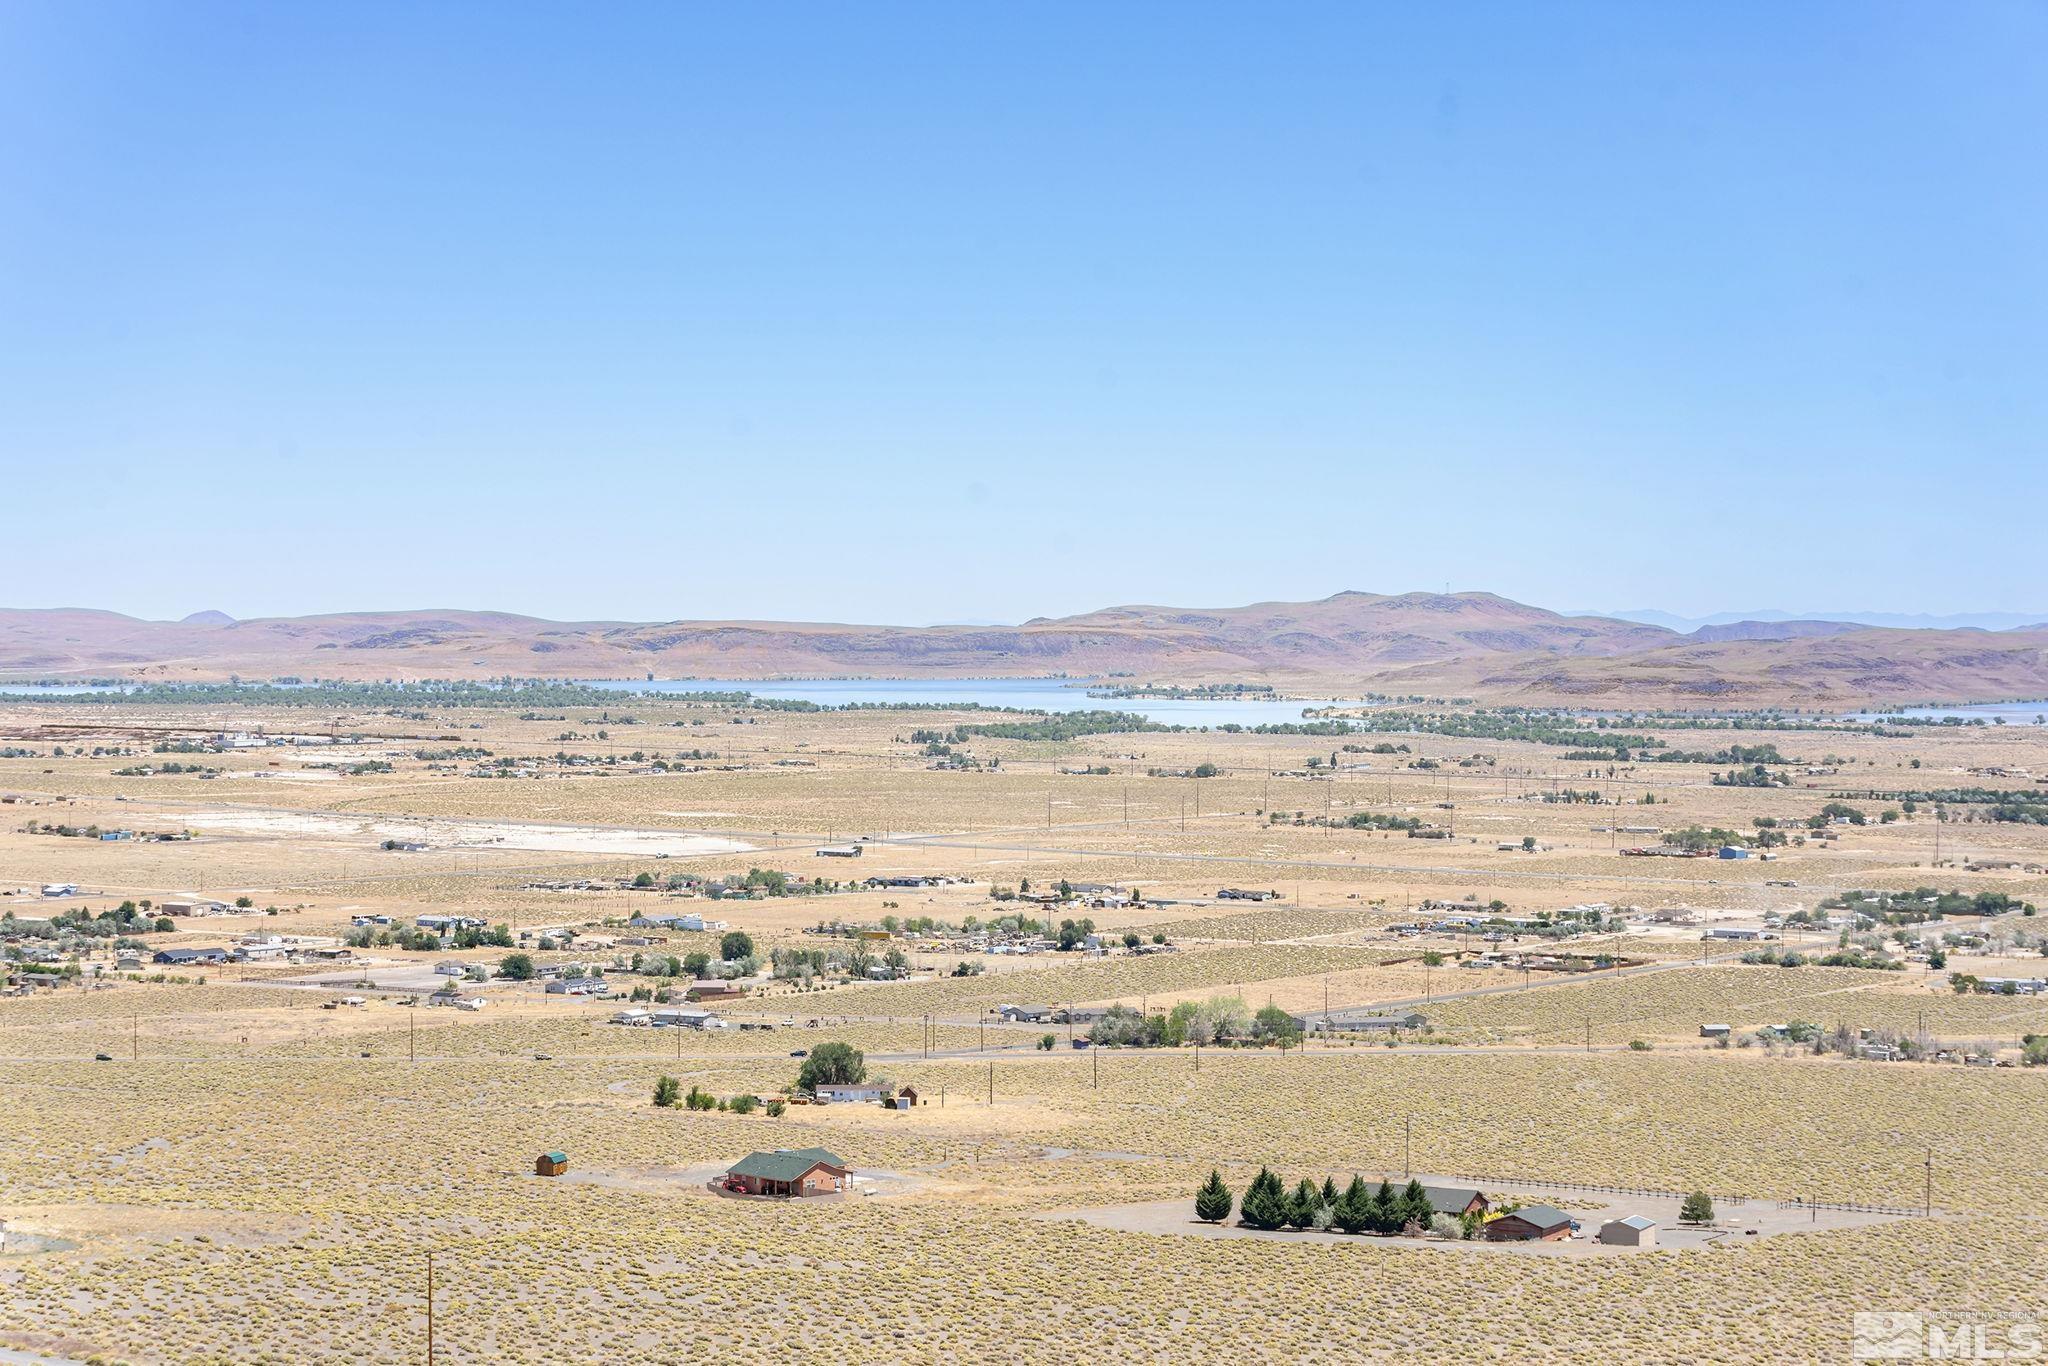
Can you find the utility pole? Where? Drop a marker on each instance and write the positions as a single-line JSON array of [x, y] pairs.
[[1406, 1169], [1589, 1035], [1927, 1204], [991, 1084]]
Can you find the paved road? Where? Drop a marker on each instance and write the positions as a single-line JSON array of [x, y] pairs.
[[1347, 865], [1556, 980], [1009, 1053]]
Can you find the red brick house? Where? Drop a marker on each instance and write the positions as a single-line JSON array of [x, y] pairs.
[[790, 1172]]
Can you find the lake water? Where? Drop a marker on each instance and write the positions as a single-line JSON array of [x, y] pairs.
[[1061, 695], [54, 689], [2013, 713], [1025, 694]]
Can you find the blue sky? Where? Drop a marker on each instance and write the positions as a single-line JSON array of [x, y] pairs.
[[970, 312]]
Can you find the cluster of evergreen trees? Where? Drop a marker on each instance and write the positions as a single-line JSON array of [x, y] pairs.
[[1358, 1208]]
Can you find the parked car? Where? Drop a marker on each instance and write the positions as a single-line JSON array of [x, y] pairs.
[[799, 1052], [103, 1057]]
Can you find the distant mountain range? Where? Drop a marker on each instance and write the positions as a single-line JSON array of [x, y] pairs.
[[1904, 621], [1461, 644]]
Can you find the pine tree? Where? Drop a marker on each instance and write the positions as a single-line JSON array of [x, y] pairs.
[[1212, 1201], [666, 1089], [1265, 1202], [1301, 1209], [1330, 1192], [1354, 1207], [1386, 1213], [1414, 1208]]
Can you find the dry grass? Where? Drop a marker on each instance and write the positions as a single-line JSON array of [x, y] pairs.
[[253, 1190]]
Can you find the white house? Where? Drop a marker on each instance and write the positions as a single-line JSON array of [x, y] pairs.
[[852, 1093], [687, 1017], [194, 905]]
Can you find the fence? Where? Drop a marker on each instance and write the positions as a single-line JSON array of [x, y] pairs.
[[1599, 1188], [1579, 1187]]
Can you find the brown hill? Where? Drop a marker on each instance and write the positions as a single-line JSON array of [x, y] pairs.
[[1774, 630], [1461, 644], [1863, 667], [1352, 629], [1351, 632]]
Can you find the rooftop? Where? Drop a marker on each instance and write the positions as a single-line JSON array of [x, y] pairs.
[[784, 1164]]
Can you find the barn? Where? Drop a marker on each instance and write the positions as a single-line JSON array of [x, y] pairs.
[[1532, 1223]]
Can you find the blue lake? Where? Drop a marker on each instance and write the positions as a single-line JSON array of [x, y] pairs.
[[1023, 694], [2012, 713], [1026, 694]]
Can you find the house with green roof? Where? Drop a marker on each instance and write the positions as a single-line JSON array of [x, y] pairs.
[[789, 1172]]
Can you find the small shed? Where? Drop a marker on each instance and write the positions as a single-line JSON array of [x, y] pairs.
[[906, 1096], [551, 1163], [1714, 1031], [1633, 1231]]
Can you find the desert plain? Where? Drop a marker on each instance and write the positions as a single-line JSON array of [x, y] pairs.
[[261, 1160]]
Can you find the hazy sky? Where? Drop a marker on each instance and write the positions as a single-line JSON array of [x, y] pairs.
[[945, 312]]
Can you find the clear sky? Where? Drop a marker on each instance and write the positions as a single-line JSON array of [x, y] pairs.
[[918, 313]]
